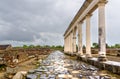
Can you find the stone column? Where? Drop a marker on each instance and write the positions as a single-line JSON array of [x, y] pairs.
[[64, 44], [69, 44], [88, 38], [71, 37], [102, 34], [74, 40], [80, 48]]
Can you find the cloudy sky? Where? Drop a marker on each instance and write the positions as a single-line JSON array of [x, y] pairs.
[[43, 22]]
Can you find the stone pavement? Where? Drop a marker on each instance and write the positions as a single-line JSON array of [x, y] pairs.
[[59, 66]]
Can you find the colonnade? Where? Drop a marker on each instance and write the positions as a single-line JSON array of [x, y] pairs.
[[85, 13]]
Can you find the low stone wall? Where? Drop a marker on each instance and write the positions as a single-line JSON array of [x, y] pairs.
[[111, 66]]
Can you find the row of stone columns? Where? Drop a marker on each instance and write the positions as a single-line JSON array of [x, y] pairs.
[[70, 40]]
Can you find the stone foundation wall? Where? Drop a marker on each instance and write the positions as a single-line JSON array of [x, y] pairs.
[[114, 68]]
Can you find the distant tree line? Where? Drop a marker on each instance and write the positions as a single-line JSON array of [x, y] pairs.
[[96, 45], [58, 47]]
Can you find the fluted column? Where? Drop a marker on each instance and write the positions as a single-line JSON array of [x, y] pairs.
[[80, 48], [74, 40], [88, 37], [102, 34]]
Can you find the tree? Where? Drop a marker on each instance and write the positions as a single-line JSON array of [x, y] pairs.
[[52, 46], [47, 46], [112, 46], [25, 46], [59, 46], [31, 46], [95, 45], [107, 46], [84, 47], [117, 45], [38, 46]]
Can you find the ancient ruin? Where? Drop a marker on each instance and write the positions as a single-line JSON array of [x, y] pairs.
[[85, 13]]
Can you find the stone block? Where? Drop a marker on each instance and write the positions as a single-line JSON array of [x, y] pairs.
[[108, 67], [115, 69], [101, 65], [118, 71]]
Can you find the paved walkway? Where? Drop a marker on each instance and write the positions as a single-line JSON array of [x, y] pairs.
[[59, 66]]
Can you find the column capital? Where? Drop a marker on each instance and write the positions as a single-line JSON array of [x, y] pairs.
[[80, 22], [102, 3], [88, 15]]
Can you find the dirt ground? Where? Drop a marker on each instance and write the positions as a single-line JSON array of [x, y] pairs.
[[30, 64], [113, 58], [26, 65]]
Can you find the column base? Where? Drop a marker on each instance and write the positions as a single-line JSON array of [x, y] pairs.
[[88, 55], [80, 54], [102, 58], [74, 54]]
